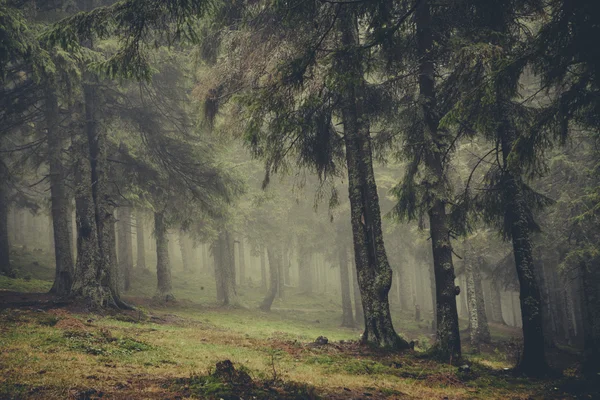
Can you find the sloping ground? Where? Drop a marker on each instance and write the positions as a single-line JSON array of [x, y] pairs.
[[171, 353]]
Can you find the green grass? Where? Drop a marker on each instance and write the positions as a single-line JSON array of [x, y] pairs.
[[159, 351]]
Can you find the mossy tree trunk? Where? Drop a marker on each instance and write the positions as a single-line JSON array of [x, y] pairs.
[[86, 285], [347, 317], [103, 289], [446, 315], [359, 316], [60, 210], [164, 290], [274, 266], [478, 326], [374, 271]]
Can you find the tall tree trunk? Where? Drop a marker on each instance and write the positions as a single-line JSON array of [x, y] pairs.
[[274, 267], [140, 240], [359, 316], [242, 260], [164, 290], [228, 268], [219, 272], [263, 268], [5, 266], [374, 271], [281, 274], [125, 250], [447, 333], [86, 285], [478, 326], [517, 218], [496, 303], [103, 205], [347, 317], [60, 210], [185, 252]]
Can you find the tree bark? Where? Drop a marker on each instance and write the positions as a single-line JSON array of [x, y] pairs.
[[103, 206], [60, 211], [5, 266], [86, 285], [164, 290], [496, 303], [447, 329], [228, 259], [140, 237], [274, 267], [347, 317], [125, 250], [517, 219], [225, 269], [359, 316], [478, 325], [219, 272], [281, 275], [185, 252], [263, 268], [242, 260], [374, 272]]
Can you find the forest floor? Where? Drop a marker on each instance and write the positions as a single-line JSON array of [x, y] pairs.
[[54, 350]]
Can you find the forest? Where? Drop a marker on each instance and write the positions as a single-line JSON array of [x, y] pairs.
[[299, 199]]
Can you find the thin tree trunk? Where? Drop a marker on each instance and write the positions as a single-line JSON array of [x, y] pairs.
[[274, 267], [125, 250], [140, 237], [63, 253], [374, 272], [163, 267], [478, 326], [347, 317], [183, 247], [359, 316], [242, 260], [5, 266], [533, 359], [228, 267], [281, 290], [496, 303], [219, 272], [263, 268], [447, 334]]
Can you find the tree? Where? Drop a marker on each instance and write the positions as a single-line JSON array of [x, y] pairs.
[[567, 59], [274, 255], [292, 115], [140, 240]]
